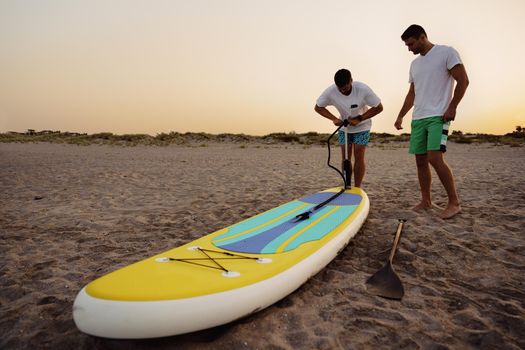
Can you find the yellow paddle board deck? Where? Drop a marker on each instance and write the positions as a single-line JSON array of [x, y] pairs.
[[244, 267]]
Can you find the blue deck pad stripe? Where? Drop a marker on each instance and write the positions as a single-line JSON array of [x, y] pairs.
[[324, 227], [242, 237], [267, 242], [342, 199], [281, 232], [259, 220]]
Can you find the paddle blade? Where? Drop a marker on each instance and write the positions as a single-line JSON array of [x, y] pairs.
[[386, 283]]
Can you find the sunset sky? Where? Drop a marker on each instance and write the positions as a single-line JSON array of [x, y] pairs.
[[242, 66]]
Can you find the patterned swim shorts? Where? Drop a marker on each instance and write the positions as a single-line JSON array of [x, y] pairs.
[[359, 138]]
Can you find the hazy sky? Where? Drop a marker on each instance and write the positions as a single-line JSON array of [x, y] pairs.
[[242, 66]]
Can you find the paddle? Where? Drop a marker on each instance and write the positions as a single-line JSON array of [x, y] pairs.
[[385, 282]]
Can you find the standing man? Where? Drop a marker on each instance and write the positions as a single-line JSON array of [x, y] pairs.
[[435, 100], [352, 100]]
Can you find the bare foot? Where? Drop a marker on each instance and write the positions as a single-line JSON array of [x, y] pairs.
[[422, 206], [450, 211]]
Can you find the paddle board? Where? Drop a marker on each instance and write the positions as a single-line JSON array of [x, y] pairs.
[[225, 275]]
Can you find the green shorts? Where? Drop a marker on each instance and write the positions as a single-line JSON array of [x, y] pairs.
[[429, 134]]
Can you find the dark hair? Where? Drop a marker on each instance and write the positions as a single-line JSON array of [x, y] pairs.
[[342, 77], [414, 31]]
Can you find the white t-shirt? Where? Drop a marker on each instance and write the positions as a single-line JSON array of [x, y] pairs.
[[352, 105], [432, 81]]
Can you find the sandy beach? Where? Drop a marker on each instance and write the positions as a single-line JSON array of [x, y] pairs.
[[70, 214]]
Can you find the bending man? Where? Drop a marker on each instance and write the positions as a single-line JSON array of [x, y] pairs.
[[352, 100]]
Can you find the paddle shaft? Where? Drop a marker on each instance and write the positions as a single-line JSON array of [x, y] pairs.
[[396, 240]]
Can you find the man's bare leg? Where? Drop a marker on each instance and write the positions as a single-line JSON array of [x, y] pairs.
[[359, 164], [425, 181], [438, 162]]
